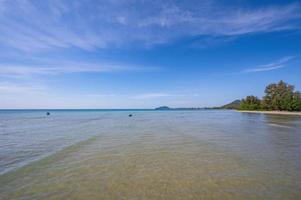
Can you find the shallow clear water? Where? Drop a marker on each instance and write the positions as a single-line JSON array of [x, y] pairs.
[[209, 154]]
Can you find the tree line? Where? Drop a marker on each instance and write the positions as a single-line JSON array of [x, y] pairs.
[[278, 96]]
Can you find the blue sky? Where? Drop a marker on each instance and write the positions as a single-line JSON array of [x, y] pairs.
[[143, 54]]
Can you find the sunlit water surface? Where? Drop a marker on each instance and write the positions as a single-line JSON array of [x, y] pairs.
[[207, 154]]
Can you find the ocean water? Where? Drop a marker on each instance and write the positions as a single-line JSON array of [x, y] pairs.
[[104, 154]]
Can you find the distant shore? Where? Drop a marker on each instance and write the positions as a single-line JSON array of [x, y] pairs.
[[271, 112]]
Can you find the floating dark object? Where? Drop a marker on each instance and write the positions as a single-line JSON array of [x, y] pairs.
[[48, 113], [130, 115]]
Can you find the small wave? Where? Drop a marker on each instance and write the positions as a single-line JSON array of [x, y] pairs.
[[279, 125], [49, 157]]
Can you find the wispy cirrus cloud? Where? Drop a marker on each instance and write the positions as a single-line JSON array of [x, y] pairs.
[[156, 95], [23, 70], [281, 63], [152, 95], [145, 96], [33, 26], [9, 87]]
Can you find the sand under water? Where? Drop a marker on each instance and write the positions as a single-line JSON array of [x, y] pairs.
[[158, 155]]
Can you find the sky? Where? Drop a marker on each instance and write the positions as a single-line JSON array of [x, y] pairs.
[[144, 54]]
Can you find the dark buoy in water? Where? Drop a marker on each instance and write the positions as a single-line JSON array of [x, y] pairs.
[[130, 115], [48, 113]]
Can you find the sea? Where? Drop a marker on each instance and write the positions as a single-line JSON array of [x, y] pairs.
[[152, 154]]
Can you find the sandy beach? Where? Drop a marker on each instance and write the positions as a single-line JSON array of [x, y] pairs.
[[271, 112]]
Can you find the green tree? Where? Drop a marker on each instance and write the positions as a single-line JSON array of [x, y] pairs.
[[250, 103], [295, 103], [281, 96], [278, 96]]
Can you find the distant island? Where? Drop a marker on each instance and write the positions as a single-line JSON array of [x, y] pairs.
[[233, 105], [168, 108], [278, 97], [163, 108]]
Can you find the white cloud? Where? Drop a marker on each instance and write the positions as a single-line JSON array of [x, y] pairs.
[[15, 95], [271, 66], [12, 88], [157, 95], [265, 68], [151, 95], [33, 26], [8, 70]]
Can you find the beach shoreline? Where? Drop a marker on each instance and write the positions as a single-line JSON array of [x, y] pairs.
[[270, 112]]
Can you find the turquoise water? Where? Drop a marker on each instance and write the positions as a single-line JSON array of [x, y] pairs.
[[104, 154]]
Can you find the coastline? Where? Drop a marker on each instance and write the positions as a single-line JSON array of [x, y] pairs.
[[271, 112]]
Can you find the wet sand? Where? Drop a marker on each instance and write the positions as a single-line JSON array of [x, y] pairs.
[[271, 112]]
